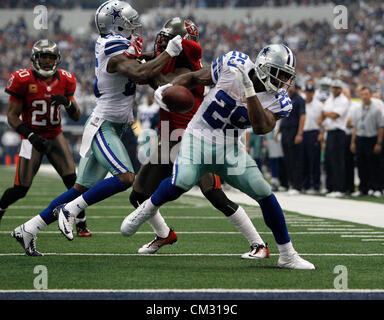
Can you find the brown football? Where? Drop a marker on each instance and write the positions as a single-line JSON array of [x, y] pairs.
[[178, 99]]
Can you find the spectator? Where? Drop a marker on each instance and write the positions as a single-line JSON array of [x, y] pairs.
[[311, 143], [334, 120], [291, 129], [367, 140]]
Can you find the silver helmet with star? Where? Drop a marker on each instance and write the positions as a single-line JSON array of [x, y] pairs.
[[117, 17], [276, 67]]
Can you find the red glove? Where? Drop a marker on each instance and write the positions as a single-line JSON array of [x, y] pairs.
[[135, 49]]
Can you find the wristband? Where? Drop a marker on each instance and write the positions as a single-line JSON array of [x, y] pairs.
[[249, 92], [24, 131]]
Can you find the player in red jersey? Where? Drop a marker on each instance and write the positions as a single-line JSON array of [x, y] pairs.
[[37, 94], [150, 175]]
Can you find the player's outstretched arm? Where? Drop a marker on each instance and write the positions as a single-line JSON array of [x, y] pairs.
[[142, 72], [190, 80]]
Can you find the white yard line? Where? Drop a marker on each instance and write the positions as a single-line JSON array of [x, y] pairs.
[[193, 254]]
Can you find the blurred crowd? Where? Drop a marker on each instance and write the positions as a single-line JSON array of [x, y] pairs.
[[355, 55], [86, 4]]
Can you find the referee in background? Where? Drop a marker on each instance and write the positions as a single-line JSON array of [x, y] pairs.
[[333, 120]]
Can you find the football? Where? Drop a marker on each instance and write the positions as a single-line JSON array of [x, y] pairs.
[[178, 99]]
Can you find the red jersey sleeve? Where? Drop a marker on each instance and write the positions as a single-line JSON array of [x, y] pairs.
[[17, 85], [192, 50], [70, 85]]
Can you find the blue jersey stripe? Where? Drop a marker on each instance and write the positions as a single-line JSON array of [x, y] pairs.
[[115, 49], [111, 43]]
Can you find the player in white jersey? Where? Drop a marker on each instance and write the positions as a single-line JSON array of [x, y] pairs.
[[243, 94], [117, 70]]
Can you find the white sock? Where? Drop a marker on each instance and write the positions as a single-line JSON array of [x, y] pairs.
[[149, 205], [76, 206], [286, 248], [159, 225], [242, 223], [80, 219], [35, 224]]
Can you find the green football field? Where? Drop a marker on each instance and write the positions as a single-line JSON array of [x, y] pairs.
[[206, 255]]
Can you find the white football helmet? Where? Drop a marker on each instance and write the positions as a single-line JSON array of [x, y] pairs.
[[117, 17], [275, 67]]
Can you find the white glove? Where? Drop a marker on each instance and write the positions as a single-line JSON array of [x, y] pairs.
[[174, 46], [159, 96], [241, 75]]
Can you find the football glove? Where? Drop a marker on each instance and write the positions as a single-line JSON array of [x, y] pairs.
[[174, 46], [59, 99], [159, 96], [39, 143], [135, 49], [241, 75]]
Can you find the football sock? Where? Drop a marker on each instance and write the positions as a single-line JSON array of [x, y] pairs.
[[242, 223], [166, 192], [286, 248], [76, 206], [80, 219], [159, 225], [47, 214], [100, 191], [274, 218], [35, 224]]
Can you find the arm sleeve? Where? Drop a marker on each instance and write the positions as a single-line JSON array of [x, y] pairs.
[[192, 49], [16, 88], [70, 88]]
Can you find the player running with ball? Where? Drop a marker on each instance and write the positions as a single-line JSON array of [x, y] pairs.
[[243, 94]]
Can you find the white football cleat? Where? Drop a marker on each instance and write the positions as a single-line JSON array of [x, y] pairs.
[[132, 222], [27, 240], [258, 252], [294, 261], [157, 243], [65, 221]]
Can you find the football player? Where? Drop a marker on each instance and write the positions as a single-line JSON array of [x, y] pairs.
[[243, 94], [150, 175], [117, 71], [37, 94]]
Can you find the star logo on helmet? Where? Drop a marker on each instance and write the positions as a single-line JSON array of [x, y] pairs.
[[115, 14], [266, 50]]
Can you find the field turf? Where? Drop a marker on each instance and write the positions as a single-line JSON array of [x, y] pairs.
[[206, 255]]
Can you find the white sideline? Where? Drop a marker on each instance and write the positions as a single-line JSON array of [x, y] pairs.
[[340, 209]]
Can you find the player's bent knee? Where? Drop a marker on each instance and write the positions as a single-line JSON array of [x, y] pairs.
[[127, 178], [69, 180], [258, 188], [80, 188]]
